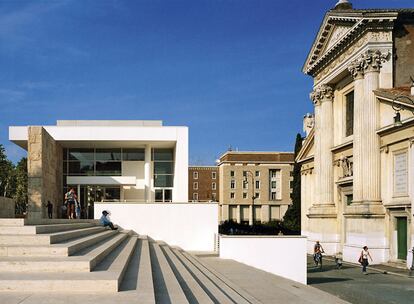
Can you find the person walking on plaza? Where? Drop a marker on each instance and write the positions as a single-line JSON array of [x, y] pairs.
[[363, 259], [317, 254], [71, 198], [49, 209], [105, 220]]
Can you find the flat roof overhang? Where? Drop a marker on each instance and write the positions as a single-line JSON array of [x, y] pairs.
[[104, 137]]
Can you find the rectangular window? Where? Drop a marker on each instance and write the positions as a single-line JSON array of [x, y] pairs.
[[244, 194], [195, 186], [232, 184], [257, 195], [163, 167], [273, 184], [231, 194], [108, 154], [257, 184], [195, 175], [195, 196], [158, 195], [213, 197], [244, 173], [245, 185], [133, 154], [273, 196], [272, 173], [213, 175], [213, 186], [348, 199], [349, 110], [232, 173], [257, 174], [111, 168]]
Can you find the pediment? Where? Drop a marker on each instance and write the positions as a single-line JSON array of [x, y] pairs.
[[307, 150], [332, 30]]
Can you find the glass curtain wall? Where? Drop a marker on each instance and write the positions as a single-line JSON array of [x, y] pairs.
[[163, 174]]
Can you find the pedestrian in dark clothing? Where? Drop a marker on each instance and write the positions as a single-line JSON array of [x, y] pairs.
[[49, 209]]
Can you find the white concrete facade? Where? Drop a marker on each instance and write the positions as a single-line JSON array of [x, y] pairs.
[[191, 226], [268, 253], [137, 177]]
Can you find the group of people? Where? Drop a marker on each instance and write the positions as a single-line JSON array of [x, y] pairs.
[[363, 257]]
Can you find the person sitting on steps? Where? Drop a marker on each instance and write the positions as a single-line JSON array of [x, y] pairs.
[[105, 220]]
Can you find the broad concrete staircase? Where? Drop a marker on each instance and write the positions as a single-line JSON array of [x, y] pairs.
[[81, 256]]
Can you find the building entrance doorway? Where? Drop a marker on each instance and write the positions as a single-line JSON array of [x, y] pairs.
[[401, 238]]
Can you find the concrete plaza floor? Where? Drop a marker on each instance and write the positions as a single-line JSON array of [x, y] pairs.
[[351, 285]]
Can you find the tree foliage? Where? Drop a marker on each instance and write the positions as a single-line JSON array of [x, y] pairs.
[[7, 176], [20, 194], [13, 180], [291, 220]]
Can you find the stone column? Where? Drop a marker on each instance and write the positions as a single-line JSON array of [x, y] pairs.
[[367, 162], [251, 219], [147, 173], [323, 98], [358, 74]]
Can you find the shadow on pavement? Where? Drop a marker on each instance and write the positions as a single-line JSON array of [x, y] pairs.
[[312, 281]]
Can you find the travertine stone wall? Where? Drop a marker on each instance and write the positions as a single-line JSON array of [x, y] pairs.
[[6, 207], [45, 161]]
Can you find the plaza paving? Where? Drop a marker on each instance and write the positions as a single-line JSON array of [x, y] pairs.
[[351, 285]]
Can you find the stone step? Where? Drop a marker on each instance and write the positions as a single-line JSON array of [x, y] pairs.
[[235, 293], [58, 282], [60, 249], [214, 290], [145, 284], [37, 229], [194, 292], [167, 289], [120, 264], [80, 263], [11, 222], [46, 239]]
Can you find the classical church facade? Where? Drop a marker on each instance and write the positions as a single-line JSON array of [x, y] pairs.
[[357, 159]]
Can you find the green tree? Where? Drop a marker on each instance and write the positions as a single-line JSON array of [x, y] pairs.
[[7, 177], [291, 220], [20, 194]]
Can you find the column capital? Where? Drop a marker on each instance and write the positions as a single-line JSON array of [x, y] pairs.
[[356, 69], [322, 93]]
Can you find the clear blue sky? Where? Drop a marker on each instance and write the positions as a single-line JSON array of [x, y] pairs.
[[230, 70]]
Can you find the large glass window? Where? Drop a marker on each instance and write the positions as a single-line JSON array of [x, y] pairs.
[[111, 168], [133, 154], [108, 154], [163, 167]]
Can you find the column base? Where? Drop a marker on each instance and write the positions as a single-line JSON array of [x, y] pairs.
[[323, 211], [365, 209]]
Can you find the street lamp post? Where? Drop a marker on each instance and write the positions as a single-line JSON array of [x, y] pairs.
[[248, 173]]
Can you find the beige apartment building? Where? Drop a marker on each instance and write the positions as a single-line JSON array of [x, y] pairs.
[[358, 157], [203, 183], [255, 186]]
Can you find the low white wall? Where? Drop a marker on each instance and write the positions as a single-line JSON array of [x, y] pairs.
[[284, 256], [191, 226]]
